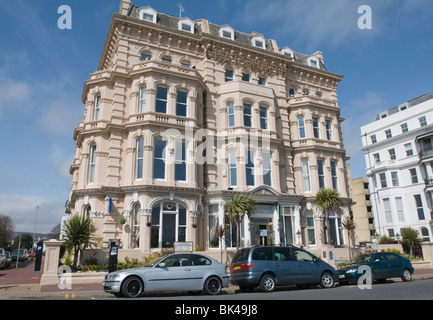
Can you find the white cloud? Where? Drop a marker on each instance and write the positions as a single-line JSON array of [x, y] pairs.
[[23, 212], [14, 95]]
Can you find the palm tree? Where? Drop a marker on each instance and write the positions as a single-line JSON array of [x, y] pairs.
[[220, 231], [410, 239], [328, 200], [78, 234], [350, 226], [235, 210]]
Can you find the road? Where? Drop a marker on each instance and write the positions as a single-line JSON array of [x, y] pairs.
[[390, 290]]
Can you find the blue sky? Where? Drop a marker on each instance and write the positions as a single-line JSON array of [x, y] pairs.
[[43, 70]]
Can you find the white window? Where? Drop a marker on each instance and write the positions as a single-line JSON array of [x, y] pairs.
[[287, 52], [310, 228], [227, 32], [394, 178], [142, 104], [399, 206], [301, 127], [182, 103], [228, 75], [267, 169], [313, 62], [334, 176], [264, 118], [306, 175], [249, 166], [161, 99], [328, 129], [423, 121], [186, 24], [97, 108], [388, 212], [180, 161], [159, 157], [248, 115], [232, 168], [139, 160], [230, 114], [321, 173], [413, 175], [316, 130], [388, 133], [383, 182], [92, 163], [408, 148], [258, 41], [148, 14]]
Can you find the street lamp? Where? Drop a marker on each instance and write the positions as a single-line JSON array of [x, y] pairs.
[[34, 232]]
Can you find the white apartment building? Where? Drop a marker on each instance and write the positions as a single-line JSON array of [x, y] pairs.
[[398, 152]]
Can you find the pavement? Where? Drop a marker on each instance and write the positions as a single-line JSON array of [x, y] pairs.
[[22, 284]]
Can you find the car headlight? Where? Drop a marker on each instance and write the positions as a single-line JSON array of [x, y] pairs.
[[352, 271], [113, 276]]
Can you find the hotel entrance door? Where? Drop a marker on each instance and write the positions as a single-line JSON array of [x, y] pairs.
[[262, 233]]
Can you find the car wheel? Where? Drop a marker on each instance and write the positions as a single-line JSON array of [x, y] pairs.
[[267, 283], [406, 276], [132, 287], [327, 280], [212, 286]]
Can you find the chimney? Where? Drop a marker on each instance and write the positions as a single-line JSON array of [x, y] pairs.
[[124, 7]]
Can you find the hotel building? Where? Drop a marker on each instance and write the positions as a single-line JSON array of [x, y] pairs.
[[398, 150], [182, 115]]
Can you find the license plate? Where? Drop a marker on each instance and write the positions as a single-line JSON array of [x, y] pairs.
[[238, 268]]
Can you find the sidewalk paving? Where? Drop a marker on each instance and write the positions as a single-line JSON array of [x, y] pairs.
[[21, 283]]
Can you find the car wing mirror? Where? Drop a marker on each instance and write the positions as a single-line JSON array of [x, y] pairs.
[[161, 265], [377, 260]]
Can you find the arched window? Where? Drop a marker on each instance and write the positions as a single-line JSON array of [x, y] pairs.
[[135, 235], [87, 211], [142, 102], [230, 114], [232, 168], [182, 103], [97, 108], [139, 160], [159, 158], [92, 164], [161, 99], [306, 175], [425, 234]]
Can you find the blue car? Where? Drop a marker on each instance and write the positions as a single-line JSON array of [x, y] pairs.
[[268, 267], [383, 265]]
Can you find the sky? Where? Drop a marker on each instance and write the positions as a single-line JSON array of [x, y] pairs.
[[43, 70]]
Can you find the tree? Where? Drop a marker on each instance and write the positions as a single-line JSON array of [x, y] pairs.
[[235, 210], [220, 231], [55, 232], [78, 234], [328, 200], [350, 226], [7, 229], [410, 239]]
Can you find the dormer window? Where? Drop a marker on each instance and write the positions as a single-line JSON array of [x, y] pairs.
[[258, 41], [287, 52], [148, 14], [185, 24], [313, 62], [227, 32]]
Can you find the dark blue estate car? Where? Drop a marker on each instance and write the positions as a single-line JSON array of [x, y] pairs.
[[268, 267], [383, 265]]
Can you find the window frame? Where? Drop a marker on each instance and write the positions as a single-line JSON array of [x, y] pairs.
[[159, 100]]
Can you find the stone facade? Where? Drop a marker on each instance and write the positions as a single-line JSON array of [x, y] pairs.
[[182, 115]]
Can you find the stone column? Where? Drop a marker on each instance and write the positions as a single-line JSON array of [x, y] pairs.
[[51, 263]]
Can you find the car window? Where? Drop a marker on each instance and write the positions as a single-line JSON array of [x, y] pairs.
[[391, 257], [283, 254], [262, 254], [179, 260], [379, 256], [241, 255], [302, 255], [200, 261]]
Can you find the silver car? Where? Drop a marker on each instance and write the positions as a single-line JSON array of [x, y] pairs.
[[173, 272]]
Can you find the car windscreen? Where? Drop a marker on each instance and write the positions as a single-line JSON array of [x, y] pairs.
[[241, 255], [154, 262], [362, 258]]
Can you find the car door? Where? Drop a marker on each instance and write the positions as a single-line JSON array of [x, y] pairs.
[[394, 264], [379, 266], [200, 267], [174, 274], [307, 267], [285, 266]]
